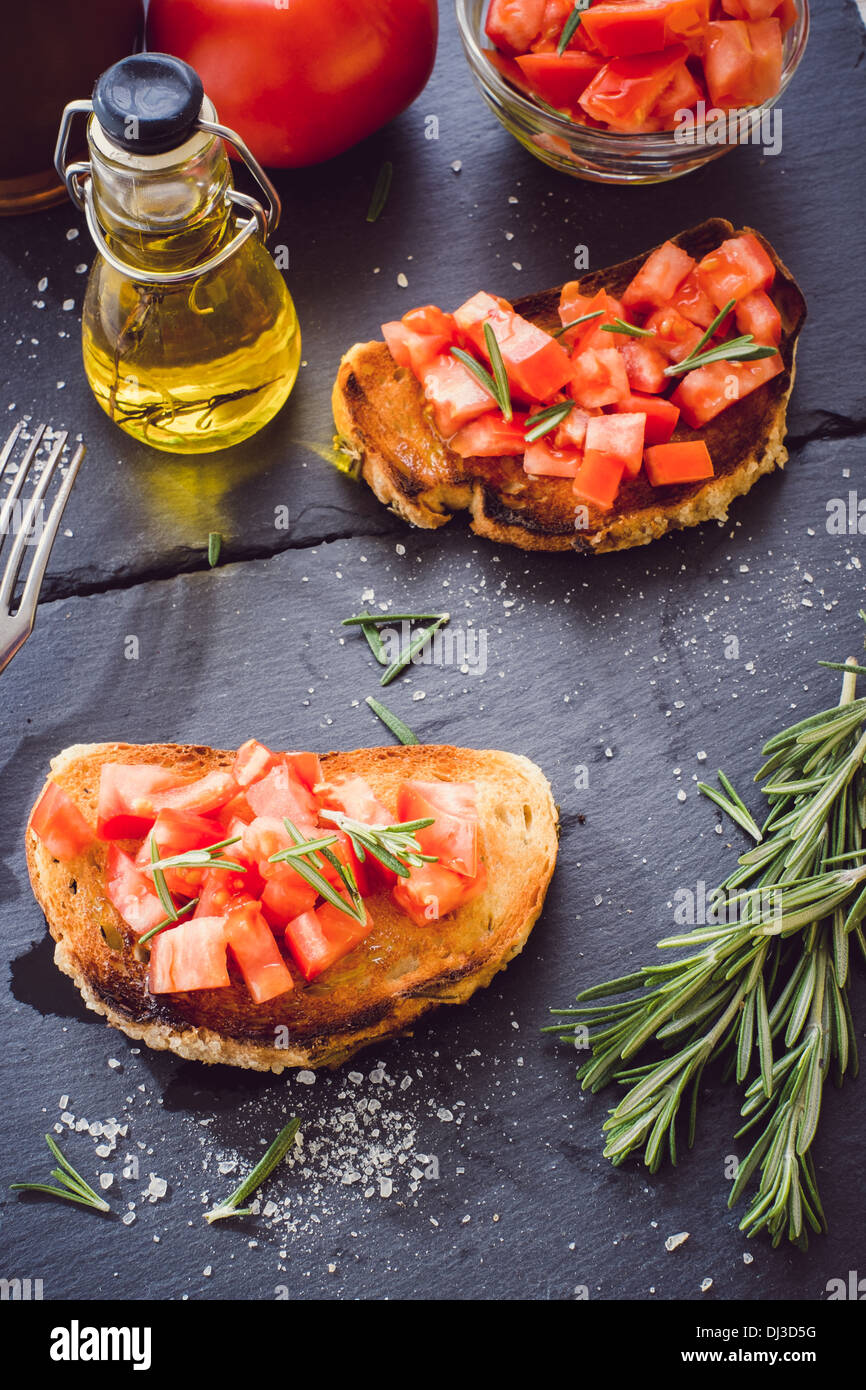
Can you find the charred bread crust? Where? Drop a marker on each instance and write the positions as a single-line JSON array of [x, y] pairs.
[[399, 973], [381, 418]]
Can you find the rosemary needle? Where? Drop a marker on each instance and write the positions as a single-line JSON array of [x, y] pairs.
[[381, 191], [571, 25], [401, 731], [73, 1189], [214, 546], [263, 1169], [415, 646], [584, 318]]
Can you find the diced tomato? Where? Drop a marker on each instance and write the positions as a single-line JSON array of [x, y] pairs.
[[559, 80], [688, 462], [658, 279], [630, 27], [267, 835], [413, 349], [355, 798], [344, 851], [190, 956], [125, 809], [661, 416], [513, 24], [453, 836], [60, 825], [174, 832], [281, 793], [600, 377], [207, 793], [571, 434], [252, 761], [572, 305], [284, 895], [644, 365], [252, 944], [219, 887], [692, 301], [131, 891], [598, 481], [490, 436], [617, 438], [454, 395], [626, 89], [786, 13], [743, 61], [432, 891], [675, 336], [681, 94], [758, 315], [556, 13], [319, 939], [595, 334], [750, 9], [307, 768], [545, 460], [536, 364], [736, 268], [431, 320], [707, 391]]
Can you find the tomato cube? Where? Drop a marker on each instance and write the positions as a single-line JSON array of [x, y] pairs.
[[60, 825], [490, 436], [318, 939], [630, 27], [743, 61], [658, 279], [661, 416], [571, 434], [189, 956], [125, 810], [600, 377], [625, 90], [707, 391], [130, 890], [543, 460], [431, 892], [758, 315], [598, 480], [281, 793], [513, 24], [644, 365], [454, 395], [692, 301], [413, 348], [559, 80], [258, 956], [618, 438], [675, 336], [736, 268], [688, 462], [536, 364], [681, 94]]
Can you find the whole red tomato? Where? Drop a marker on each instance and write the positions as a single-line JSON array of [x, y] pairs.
[[301, 80]]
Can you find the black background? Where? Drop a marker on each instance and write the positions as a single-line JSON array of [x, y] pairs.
[[624, 653]]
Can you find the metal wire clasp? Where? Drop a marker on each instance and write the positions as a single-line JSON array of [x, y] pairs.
[[79, 182]]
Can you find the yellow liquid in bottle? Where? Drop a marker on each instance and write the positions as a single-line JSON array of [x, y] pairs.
[[193, 366]]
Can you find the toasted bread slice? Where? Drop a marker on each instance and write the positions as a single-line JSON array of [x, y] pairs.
[[381, 420], [397, 974]]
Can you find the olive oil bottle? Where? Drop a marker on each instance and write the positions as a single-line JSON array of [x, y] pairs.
[[190, 337]]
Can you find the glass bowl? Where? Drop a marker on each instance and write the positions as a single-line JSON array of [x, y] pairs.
[[605, 156]]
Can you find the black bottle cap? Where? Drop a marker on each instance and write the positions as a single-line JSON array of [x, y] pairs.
[[148, 103]]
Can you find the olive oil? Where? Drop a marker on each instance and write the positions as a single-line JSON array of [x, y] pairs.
[[189, 334]]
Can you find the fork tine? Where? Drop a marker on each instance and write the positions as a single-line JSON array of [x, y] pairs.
[[15, 491], [13, 563], [30, 596]]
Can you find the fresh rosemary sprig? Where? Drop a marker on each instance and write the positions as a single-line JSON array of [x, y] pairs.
[[305, 857], [500, 375], [394, 846], [190, 859], [584, 318], [401, 731], [743, 349], [620, 326], [571, 25], [263, 1169], [360, 619], [74, 1188], [494, 387], [381, 191], [763, 988], [547, 420]]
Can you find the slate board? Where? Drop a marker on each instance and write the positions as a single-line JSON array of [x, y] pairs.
[[616, 664]]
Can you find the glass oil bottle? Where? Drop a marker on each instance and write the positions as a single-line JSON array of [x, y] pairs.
[[190, 337]]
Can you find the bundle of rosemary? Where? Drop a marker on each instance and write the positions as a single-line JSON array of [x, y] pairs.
[[763, 988]]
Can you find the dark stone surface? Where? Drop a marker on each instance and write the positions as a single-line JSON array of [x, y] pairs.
[[624, 653]]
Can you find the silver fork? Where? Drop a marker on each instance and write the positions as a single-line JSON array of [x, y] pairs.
[[16, 627]]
